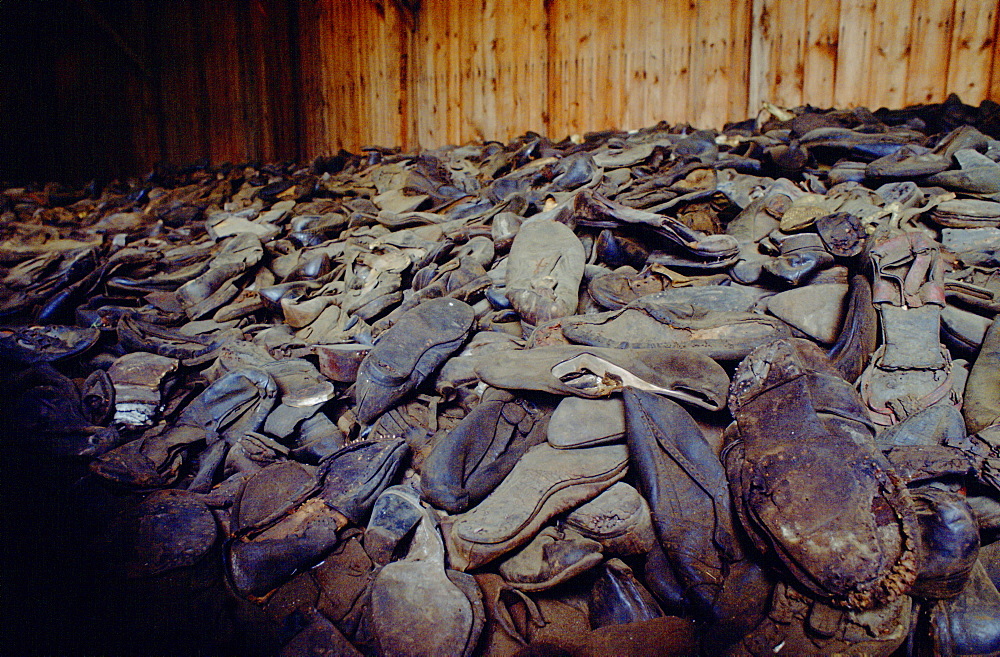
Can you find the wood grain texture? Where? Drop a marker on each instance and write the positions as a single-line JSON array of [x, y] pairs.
[[973, 42], [177, 81]]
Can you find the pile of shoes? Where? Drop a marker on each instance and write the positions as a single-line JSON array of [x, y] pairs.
[[661, 392]]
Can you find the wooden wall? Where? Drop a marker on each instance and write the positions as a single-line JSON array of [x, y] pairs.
[[112, 87]]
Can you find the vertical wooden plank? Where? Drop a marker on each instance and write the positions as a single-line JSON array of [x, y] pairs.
[[761, 47], [971, 52], [819, 66], [887, 81], [654, 64], [994, 93], [854, 60], [310, 99], [787, 57], [141, 95], [607, 79], [503, 55], [927, 65], [224, 94], [423, 106], [711, 77], [632, 86], [676, 73], [532, 70], [738, 60], [587, 70], [454, 99]]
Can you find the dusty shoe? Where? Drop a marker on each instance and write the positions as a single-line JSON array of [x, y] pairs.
[[617, 289], [168, 530], [911, 370], [467, 463], [403, 621], [816, 310], [982, 408], [969, 624], [140, 380], [552, 557], [858, 336], [233, 405], [408, 353], [260, 563], [45, 344], [806, 455], [678, 472], [544, 483], [617, 597], [598, 371], [949, 538], [802, 255], [544, 271], [395, 515], [618, 518], [803, 626], [644, 325], [579, 422], [355, 475]]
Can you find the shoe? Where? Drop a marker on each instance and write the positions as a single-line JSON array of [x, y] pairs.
[[804, 444], [167, 531], [647, 325], [619, 519], [858, 336], [140, 381], [680, 476], [393, 519], [354, 476], [949, 543], [618, 288], [982, 406], [552, 557], [911, 370], [29, 345], [617, 597], [802, 625], [471, 460], [235, 404], [592, 372], [817, 310], [968, 624], [544, 271], [403, 621], [257, 565], [579, 422], [545, 482], [408, 353]]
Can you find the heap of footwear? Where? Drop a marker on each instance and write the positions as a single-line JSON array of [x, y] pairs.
[[664, 391]]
